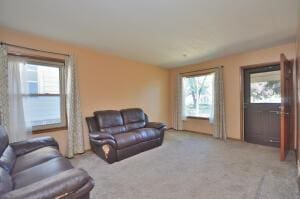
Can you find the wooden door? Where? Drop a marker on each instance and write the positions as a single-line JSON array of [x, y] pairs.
[[262, 99], [286, 105]]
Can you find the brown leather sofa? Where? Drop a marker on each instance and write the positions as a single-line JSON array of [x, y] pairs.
[[116, 135], [35, 169]]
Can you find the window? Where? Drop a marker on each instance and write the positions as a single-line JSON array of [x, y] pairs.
[[198, 95], [43, 94], [265, 87]]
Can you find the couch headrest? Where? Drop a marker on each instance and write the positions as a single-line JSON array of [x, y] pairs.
[[92, 124], [3, 139], [133, 115], [109, 118]]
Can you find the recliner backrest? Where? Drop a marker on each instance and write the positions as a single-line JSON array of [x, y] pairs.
[[7, 154], [92, 124], [6, 183], [134, 118], [7, 161], [110, 121], [3, 139]]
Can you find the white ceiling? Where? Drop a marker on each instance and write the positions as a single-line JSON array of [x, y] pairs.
[[168, 33]]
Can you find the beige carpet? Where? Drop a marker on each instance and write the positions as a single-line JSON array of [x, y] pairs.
[[190, 165]]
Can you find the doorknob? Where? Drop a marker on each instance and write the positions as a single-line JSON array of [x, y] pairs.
[[284, 113], [276, 112], [276, 141]]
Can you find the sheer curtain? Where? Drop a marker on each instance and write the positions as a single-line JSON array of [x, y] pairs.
[[183, 97], [11, 105], [212, 113], [18, 129], [75, 125]]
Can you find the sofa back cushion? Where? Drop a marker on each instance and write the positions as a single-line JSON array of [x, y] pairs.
[[92, 124], [6, 183], [133, 118], [110, 121]]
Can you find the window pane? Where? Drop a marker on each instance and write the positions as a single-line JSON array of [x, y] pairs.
[[198, 95], [265, 87], [33, 87], [46, 79], [32, 76], [42, 110]]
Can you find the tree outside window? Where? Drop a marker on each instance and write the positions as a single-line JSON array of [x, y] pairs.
[[198, 95]]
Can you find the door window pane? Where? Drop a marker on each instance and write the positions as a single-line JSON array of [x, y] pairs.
[[265, 87]]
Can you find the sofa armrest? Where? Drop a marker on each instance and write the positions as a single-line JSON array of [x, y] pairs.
[[63, 185], [155, 125], [100, 136], [102, 142], [32, 144]]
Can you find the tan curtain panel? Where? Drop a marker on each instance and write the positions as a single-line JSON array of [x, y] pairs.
[[218, 118], [177, 114], [74, 116], [4, 113]]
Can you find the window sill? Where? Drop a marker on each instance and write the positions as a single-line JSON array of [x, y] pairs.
[[198, 118], [49, 130]]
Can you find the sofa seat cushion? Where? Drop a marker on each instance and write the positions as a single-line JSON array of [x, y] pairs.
[[34, 158], [146, 134], [124, 140], [137, 136], [40, 172]]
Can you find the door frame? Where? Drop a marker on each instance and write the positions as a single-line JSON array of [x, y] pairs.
[[242, 92]]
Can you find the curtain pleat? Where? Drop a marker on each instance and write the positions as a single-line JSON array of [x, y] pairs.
[[177, 114], [74, 116], [4, 106], [17, 129], [218, 121]]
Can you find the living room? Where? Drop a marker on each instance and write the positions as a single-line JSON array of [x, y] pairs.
[[119, 68]]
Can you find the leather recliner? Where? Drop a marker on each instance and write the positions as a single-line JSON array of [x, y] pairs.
[[35, 169], [116, 135]]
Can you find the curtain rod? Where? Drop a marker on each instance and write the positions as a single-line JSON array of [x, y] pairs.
[[33, 49], [202, 69]]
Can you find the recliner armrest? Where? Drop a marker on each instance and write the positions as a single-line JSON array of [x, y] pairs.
[[100, 136], [26, 146], [63, 185], [156, 125]]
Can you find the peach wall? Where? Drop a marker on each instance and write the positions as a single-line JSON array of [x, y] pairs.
[[105, 81], [232, 82]]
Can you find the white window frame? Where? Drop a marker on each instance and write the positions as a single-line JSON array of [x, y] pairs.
[[61, 94]]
